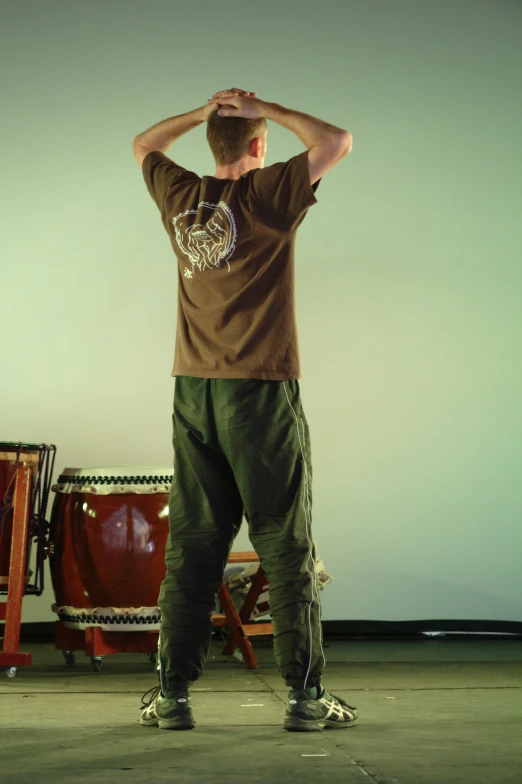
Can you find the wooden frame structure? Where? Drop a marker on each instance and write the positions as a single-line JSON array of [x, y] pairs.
[[11, 609]]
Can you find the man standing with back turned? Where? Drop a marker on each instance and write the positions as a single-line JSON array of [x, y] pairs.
[[240, 436]]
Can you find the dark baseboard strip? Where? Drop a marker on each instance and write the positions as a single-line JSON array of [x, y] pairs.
[[44, 631]]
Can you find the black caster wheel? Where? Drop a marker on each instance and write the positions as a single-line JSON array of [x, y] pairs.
[[11, 672], [96, 663], [69, 658]]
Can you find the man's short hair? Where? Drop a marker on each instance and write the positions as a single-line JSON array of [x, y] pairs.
[[229, 137]]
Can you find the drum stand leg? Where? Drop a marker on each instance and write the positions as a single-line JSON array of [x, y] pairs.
[[11, 610], [68, 641], [247, 608], [97, 642]]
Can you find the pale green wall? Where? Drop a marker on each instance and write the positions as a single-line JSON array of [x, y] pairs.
[[408, 269]]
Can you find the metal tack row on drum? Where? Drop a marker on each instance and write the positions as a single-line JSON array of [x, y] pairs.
[[107, 539]]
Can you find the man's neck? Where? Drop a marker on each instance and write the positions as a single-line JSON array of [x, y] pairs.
[[233, 172]]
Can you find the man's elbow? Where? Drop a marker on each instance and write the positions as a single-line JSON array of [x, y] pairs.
[[346, 141], [140, 152]]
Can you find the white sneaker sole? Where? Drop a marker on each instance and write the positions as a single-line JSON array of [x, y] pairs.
[[180, 723], [295, 724]]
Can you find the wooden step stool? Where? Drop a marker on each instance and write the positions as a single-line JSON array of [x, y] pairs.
[[237, 622]]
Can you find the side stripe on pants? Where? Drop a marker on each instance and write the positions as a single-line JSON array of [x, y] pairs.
[[308, 518]]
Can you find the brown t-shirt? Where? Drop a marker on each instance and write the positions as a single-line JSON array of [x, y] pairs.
[[234, 241]]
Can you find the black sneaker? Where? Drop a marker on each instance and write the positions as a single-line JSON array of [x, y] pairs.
[[305, 713], [170, 712]]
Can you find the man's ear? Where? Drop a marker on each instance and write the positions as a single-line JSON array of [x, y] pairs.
[[258, 142]]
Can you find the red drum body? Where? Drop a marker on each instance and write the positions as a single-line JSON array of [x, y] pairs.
[[109, 528], [8, 456]]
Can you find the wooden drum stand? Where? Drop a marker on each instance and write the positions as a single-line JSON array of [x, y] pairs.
[[20, 468]]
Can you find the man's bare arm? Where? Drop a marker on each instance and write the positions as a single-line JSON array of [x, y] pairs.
[[310, 130], [327, 144], [162, 135]]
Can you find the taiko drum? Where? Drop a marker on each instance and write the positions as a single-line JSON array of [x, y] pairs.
[[108, 533]]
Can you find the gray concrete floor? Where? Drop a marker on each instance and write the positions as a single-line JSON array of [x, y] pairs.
[[432, 711]]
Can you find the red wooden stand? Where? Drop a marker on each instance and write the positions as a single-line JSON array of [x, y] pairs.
[[97, 642], [237, 622], [11, 610]]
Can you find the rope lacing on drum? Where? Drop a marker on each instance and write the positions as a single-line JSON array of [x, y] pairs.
[[110, 619], [72, 479]]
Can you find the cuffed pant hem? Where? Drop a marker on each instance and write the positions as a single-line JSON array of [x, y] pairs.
[[177, 685], [299, 683]]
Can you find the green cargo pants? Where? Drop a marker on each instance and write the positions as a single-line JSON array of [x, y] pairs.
[[239, 445]]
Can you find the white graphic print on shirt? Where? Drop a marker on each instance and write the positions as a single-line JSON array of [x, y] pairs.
[[209, 243]]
